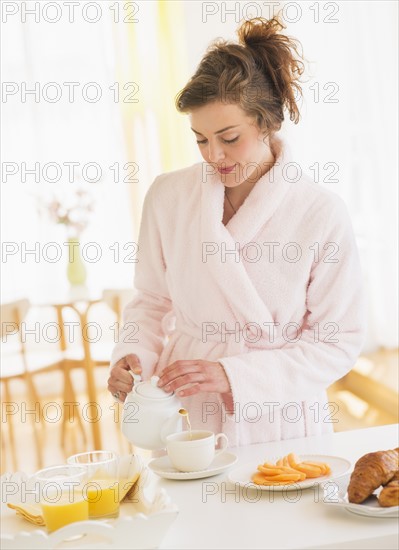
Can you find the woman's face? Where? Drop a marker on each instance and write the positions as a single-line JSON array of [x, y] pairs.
[[231, 141]]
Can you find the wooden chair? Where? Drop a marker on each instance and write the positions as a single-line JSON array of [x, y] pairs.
[[22, 362], [14, 365]]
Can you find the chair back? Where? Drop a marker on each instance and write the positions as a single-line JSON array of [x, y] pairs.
[[12, 316]]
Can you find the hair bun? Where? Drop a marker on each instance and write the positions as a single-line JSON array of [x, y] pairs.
[[265, 61], [256, 31], [276, 55]]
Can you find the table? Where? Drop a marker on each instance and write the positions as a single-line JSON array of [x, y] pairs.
[[232, 520]]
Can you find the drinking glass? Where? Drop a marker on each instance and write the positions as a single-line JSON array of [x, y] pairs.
[[102, 486], [61, 495]]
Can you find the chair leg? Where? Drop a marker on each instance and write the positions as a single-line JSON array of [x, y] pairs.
[[10, 427], [3, 452], [33, 398], [68, 418]]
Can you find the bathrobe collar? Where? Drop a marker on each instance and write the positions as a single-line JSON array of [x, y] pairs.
[[260, 204], [229, 274]]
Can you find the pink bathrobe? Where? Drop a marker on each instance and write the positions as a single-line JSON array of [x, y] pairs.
[[274, 296]]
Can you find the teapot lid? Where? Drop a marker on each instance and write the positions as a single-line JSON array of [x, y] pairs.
[[150, 389]]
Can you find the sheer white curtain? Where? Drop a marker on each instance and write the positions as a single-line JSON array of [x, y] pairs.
[[356, 60], [347, 137], [39, 129]]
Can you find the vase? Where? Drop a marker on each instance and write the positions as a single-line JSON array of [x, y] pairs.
[[76, 271]]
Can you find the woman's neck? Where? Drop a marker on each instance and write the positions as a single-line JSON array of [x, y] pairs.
[[237, 195]]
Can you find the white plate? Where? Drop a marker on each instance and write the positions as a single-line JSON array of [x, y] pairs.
[[335, 494], [163, 467], [339, 466]]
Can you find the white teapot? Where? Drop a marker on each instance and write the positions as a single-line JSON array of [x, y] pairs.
[[150, 414]]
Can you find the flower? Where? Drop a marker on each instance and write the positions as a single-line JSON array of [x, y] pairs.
[[73, 209]]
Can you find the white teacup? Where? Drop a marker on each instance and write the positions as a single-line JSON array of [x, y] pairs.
[[197, 453]]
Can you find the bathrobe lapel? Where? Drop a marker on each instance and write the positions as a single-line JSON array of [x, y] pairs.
[[228, 271]]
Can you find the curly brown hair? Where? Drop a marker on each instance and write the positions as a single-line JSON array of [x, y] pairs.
[[261, 73]]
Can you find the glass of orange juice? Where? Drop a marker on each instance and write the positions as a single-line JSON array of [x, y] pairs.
[[102, 485], [61, 495]]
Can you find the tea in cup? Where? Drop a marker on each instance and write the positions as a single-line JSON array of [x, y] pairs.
[[102, 486], [194, 450], [61, 495]]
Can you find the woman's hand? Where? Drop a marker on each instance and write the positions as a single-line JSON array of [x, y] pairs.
[[120, 381], [202, 376]]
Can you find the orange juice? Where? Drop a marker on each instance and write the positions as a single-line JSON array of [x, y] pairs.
[[62, 512], [103, 498]]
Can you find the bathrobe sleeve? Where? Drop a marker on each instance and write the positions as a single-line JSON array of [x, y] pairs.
[[141, 332], [303, 369]]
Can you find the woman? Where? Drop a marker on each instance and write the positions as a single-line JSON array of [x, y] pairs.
[[248, 284]]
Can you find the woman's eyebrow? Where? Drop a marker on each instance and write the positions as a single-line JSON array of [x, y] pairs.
[[218, 132]]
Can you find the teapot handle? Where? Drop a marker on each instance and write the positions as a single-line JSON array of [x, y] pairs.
[[136, 377]]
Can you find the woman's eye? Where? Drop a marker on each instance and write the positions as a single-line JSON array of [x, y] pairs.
[[230, 140], [224, 141]]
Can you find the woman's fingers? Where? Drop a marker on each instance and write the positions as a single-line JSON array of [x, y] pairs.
[[115, 385], [200, 375], [113, 391], [185, 373], [120, 380], [190, 391], [185, 380], [123, 386], [176, 369], [121, 374], [133, 363], [121, 364]]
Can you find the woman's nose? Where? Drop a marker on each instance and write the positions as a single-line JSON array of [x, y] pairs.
[[215, 153]]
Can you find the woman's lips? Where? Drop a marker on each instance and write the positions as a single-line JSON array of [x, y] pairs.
[[226, 170]]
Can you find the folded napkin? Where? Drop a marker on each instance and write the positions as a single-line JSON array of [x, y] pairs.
[[29, 512], [130, 468]]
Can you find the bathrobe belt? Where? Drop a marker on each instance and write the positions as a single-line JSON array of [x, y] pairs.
[[233, 340]]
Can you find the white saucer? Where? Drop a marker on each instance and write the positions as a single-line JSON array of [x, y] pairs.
[[163, 467]]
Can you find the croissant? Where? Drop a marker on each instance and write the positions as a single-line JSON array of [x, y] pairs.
[[389, 496], [395, 477], [371, 471]]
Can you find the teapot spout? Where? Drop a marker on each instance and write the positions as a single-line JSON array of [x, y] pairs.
[[171, 425]]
